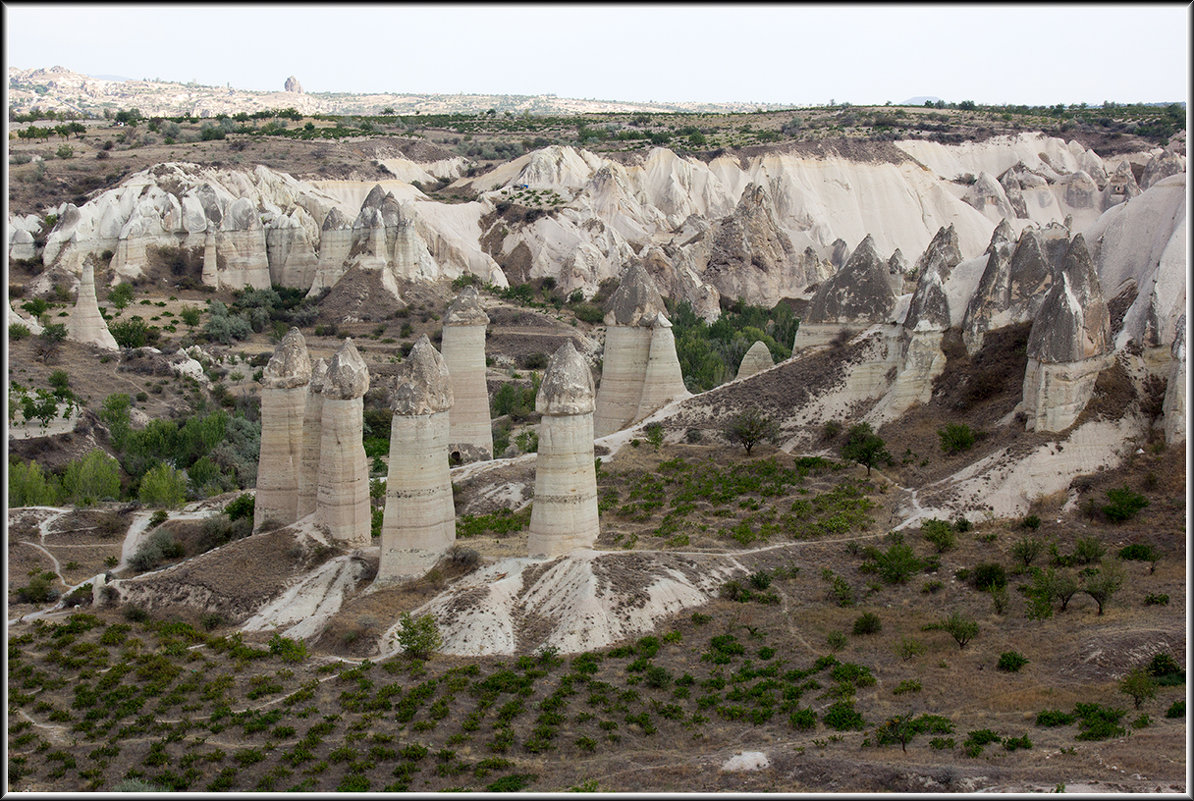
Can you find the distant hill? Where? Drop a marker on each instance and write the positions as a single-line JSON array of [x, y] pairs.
[[920, 100]]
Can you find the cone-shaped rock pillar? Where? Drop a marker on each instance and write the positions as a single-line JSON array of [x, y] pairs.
[[564, 515], [858, 296], [640, 370], [1011, 289], [342, 494], [86, 324], [470, 433], [756, 360], [283, 399], [312, 435], [419, 522], [1068, 345]]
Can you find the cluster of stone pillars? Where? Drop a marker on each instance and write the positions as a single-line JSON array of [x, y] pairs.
[[313, 460]]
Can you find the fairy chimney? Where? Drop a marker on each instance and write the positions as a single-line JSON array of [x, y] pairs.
[[470, 435], [564, 514], [342, 493], [419, 522], [283, 400]]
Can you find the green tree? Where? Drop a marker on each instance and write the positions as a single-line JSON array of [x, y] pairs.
[[29, 486], [163, 486], [95, 477], [121, 295], [865, 447], [960, 627], [1104, 583], [418, 636], [750, 427], [1139, 685], [114, 413]]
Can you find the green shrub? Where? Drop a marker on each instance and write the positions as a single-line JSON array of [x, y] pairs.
[[1026, 549], [39, 590], [1166, 670], [1177, 709], [1016, 743], [1088, 549], [1011, 661], [867, 623], [95, 477], [1123, 504], [29, 486], [961, 628], [17, 331], [1098, 723], [939, 534], [163, 486], [956, 437], [1139, 552], [989, 576], [842, 716], [895, 565], [803, 719], [1054, 717], [420, 636]]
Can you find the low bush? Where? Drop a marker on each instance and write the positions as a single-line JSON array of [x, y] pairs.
[[1011, 661], [956, 437], [867, 623], [1123, 504]]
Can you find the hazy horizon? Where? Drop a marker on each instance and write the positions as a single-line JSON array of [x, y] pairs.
[[794, 55]]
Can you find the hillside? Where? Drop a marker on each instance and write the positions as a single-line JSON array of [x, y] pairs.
[[1004, 311]]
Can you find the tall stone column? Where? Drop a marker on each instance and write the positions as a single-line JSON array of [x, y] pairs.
[[342, 494], [564, 515], [470, 432], [283, 398], [632, 311], [86, 324], [419, 522], [312, 436], [662, 379]]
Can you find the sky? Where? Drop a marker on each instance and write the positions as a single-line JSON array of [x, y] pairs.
[[792, 54]]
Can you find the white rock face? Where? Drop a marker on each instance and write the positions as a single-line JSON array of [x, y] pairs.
[[662, 381], [21, 244], [746, 761], [564, 514], [470, 434], [756, 360], [283, 400], [308, 482], [342, 494], [85, 324]]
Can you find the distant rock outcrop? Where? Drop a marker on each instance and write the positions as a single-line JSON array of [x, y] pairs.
[[1121, 186], [1067, 346], [292, 85]]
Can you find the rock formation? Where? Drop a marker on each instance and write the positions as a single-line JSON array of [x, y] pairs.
[[1121, 186], [292, 85], [335, 241], [750, 253], [342, 494], [1010, 290], [21, 245], [1160, 167], [419, 522], [756, 360], [85, 324], [640, 371], [858, 296], [308, 483], [283, 401], [1081, 192], [1068, 345], [989, 196], [241, 256], [1174, 406], [470, 433], [564, 514]]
